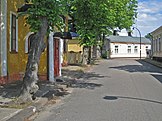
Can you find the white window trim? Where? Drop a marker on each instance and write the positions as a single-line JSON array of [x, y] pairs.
[[26, 41], [16, 30]]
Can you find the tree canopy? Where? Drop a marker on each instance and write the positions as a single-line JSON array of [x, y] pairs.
[[51, 9], [94, 17]]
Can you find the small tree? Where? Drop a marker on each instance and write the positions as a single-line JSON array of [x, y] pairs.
[[42, 16]]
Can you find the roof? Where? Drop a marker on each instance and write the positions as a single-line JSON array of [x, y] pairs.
[[156, 30], [24, 7], [128, 39], [66, 35]]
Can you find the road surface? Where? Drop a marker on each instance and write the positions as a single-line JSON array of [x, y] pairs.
[[117, 90]]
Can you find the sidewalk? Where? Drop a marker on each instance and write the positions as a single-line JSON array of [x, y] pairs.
[[153, 62], [47, 94], [6, 96], [11, 112]]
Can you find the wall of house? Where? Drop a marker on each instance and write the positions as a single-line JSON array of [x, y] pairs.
[[16, 61], [73, 45], [74, 55], [157, 42], [123, 50]]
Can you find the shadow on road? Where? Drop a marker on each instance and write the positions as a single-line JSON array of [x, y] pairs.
[[158, 77], [143, 67], [79, 79], [11, 90], [46, 89], [130, 98], [85, 85], [72, 78], [80, 74]]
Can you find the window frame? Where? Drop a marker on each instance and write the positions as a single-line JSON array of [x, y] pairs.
[[13, 28], [129, 49], [27, 42], [116, 49], [135, 49]]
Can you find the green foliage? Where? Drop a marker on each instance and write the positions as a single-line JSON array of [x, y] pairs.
[[94, 17], [51, 9], [125, 13]]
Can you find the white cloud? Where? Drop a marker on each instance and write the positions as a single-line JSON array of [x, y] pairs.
[[149, 6], [149, 16], [146, 17]]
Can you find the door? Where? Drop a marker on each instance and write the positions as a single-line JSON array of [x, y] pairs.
[[56, 57]]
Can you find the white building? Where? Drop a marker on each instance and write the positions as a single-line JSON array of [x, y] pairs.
[[127, 46], [157, 44]]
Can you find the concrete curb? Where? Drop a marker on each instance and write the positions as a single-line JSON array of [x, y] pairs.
[[25, 113]]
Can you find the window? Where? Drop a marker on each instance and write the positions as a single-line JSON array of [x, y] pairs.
[[129, 49], [28, 41], [13, 33], [146, 48], [135, 49], [153, 45], [116, 49], [156, 44], [159, 44]]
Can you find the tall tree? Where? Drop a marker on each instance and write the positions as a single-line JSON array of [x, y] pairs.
[[42, 16], [95, 18], [125, 12], [83, 12]]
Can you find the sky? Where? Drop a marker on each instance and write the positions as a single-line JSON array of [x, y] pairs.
[[149, 17]]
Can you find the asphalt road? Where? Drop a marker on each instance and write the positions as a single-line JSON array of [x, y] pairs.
[[119, 90]]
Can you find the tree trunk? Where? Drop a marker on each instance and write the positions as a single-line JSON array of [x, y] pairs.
[[85, 55], [103, 45], [30, 79], [89, 55], [94, 56]]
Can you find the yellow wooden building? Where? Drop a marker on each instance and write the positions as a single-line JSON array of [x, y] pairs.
[[14, 46], [74, 53], [14, 38]]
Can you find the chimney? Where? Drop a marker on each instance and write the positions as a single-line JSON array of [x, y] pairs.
[[130, 33], [115, 32]]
